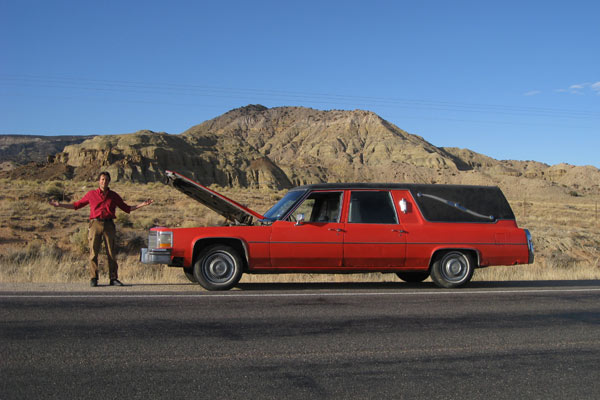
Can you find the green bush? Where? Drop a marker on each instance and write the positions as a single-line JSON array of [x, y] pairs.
[[559, 259], [55, 191], [130, 242], [32, 251], [79, 239], [144, 223], [124, 220]]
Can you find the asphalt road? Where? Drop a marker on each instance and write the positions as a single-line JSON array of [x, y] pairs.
[[490, 340]]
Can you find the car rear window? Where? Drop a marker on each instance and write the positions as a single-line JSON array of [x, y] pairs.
[[447, 203]]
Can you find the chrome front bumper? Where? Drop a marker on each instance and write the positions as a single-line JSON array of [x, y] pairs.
[[155, 256]]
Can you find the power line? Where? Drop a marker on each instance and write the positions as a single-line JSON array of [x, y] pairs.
[[177, 89]]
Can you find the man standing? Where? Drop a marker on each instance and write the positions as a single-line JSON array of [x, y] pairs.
[[103, 203]]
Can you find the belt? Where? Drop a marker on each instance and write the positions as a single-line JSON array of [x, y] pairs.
[[102, 219]]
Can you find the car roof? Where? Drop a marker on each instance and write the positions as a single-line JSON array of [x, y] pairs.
[[443, 203], [381, 186]]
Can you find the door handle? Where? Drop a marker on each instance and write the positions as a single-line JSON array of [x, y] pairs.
[[399, 231], [335, 230]]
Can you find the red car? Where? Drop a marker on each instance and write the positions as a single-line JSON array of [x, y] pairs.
[[413, 230]]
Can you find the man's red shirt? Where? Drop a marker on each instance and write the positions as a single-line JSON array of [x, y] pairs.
[[102, 204]]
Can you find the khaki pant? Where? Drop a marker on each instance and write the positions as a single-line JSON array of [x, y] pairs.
[[102, 231]]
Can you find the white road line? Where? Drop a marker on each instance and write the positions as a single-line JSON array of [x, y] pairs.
[[283, 295]]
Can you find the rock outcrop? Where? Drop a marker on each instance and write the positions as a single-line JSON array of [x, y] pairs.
[[277, 148], [23, 149]]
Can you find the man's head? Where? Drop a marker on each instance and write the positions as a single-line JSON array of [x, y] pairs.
[[103, 180]]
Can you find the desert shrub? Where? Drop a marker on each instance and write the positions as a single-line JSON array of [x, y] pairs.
[[39, 262], [23, 209], [144, 223], [559, 259], [130, 242], [79, 239], [215, 220], [21, 254], [191, 224], [16, 208], [55, 191], [34, 209], [30, 252], [124, 220]]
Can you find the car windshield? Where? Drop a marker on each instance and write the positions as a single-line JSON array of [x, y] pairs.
[[283, 206]]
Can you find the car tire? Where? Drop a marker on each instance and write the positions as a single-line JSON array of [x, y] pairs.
[[218, 267], [452, 269], [189, 273], [413, 276]]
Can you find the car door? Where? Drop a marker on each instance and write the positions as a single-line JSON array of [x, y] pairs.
[[373, 237], [314, 243]]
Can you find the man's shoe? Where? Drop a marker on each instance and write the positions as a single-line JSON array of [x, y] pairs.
[[94, 282], [116, 282]]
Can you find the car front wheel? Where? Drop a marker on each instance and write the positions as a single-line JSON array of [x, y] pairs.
[[219, 267], [452, 269], [189, 273]]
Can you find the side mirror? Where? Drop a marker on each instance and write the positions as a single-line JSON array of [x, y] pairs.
[[299, 219]]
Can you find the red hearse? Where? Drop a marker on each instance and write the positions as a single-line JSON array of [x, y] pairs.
[[413, 230]]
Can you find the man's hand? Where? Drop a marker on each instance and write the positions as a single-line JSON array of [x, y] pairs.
[[55, 203], [144, 204]]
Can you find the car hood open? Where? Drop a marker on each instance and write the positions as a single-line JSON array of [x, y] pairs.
[[228, 208]]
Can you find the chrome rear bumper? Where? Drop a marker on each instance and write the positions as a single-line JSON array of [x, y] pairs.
[[530, 246]]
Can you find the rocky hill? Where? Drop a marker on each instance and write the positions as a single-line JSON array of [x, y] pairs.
[[255, 146], [23, 149]]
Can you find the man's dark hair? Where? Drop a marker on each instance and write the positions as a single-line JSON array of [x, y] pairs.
[[106, 174]]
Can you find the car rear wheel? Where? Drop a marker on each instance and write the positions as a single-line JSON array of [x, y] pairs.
[[219, 267], [452, 269], [413, 276]]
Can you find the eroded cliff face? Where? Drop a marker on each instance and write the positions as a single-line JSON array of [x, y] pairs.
[[23, 149], [225, 160], [278, 148], [312, 146]]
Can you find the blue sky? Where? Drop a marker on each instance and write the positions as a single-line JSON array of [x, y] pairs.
[[512, 79]]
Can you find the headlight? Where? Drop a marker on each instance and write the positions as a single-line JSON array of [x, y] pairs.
[[160, 240]]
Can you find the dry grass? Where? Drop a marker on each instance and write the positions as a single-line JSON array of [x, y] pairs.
[[39, 243]]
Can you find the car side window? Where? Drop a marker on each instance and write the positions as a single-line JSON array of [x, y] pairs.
[[372, 207], [321, 207]]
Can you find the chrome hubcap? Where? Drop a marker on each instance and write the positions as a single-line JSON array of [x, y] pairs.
[[455, 267], [219, 267]]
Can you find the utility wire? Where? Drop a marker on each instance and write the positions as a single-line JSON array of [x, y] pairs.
[[177, 89]]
